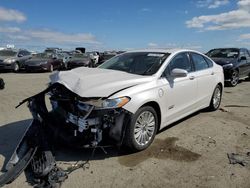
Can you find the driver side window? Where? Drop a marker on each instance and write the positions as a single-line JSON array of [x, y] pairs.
[[180, 61]]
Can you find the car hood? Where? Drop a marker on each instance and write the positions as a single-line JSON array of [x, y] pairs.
[[6, 57], [96, 82], [36, 61], [223, 61]]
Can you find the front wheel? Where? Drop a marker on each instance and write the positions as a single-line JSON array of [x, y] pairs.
[[16, 67], [216, 98], [141, 130]]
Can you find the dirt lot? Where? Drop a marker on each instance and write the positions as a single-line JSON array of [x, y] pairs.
[[190, 153]]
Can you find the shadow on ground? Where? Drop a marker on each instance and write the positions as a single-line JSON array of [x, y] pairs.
[[11, 134]]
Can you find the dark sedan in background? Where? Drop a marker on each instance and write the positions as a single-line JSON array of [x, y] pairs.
[[44, 62], [13, 59], [235, 63], [79, 60]]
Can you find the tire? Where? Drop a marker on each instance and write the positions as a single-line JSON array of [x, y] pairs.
[[16, 67], [234, 79], [216, 99], [51, 68], [139, 134]]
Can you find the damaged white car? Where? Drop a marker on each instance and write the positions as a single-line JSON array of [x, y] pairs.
[[126, 100]]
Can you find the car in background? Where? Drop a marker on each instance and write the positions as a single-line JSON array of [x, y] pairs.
[[81, 49], [13, 59], [44, 62], [79, 60], [235, 63], [53, 50], [94, 56]]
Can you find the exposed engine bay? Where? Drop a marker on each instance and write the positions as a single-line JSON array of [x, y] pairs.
[[72, 120]]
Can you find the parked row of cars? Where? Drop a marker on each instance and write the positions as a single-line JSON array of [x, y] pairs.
[[50, 59], [235, 61]]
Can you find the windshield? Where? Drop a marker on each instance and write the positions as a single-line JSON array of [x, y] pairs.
[[224, 53], [43, 55], [142, 63], [7, 53]]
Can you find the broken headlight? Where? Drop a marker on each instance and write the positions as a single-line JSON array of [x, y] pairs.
[[109, 103]]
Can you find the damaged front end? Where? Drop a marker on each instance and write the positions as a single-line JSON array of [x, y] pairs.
[[71, 120]]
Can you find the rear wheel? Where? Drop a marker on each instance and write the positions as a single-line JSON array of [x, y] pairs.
[[216, 98], [234, 78], [141, 130]]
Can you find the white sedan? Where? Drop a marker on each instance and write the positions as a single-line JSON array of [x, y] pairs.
[[127, 99], [155, 87]]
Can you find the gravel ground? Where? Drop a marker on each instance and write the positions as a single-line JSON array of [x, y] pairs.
[[190, 153]]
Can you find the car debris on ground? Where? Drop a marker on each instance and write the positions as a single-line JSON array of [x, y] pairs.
[[242, 159]]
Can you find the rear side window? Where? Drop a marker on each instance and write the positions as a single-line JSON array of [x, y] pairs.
[[199, 62], [209, 62]]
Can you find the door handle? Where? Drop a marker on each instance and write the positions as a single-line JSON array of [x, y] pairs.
[[191, 77], [212, 73]]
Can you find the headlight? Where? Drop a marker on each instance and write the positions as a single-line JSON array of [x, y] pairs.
[[227, 65], [9, 61], [109, 103]]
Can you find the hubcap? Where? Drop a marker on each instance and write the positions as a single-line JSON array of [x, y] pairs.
[[217, 97], [235, 78], [16, 67], [144, 128]]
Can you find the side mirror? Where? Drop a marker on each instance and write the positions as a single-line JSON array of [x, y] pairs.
[[20, 55], [242, 58], [178, 73]]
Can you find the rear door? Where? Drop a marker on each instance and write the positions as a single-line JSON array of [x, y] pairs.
[[205, 76]]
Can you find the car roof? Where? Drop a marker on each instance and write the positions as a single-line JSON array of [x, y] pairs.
[[172, 50]]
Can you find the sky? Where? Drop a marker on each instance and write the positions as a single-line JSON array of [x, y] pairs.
[[125, 24]]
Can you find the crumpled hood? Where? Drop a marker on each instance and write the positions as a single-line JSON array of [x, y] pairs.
[[96, 82], [223, 61]]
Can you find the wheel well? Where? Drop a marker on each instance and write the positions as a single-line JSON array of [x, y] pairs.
[[220, 84], [156, 107]]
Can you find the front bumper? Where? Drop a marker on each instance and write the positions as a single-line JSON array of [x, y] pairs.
[[71, 65], [6, 66], [36, 67]]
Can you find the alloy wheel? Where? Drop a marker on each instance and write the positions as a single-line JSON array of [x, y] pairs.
[[217, 97], [144, 128], [235, 78]]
